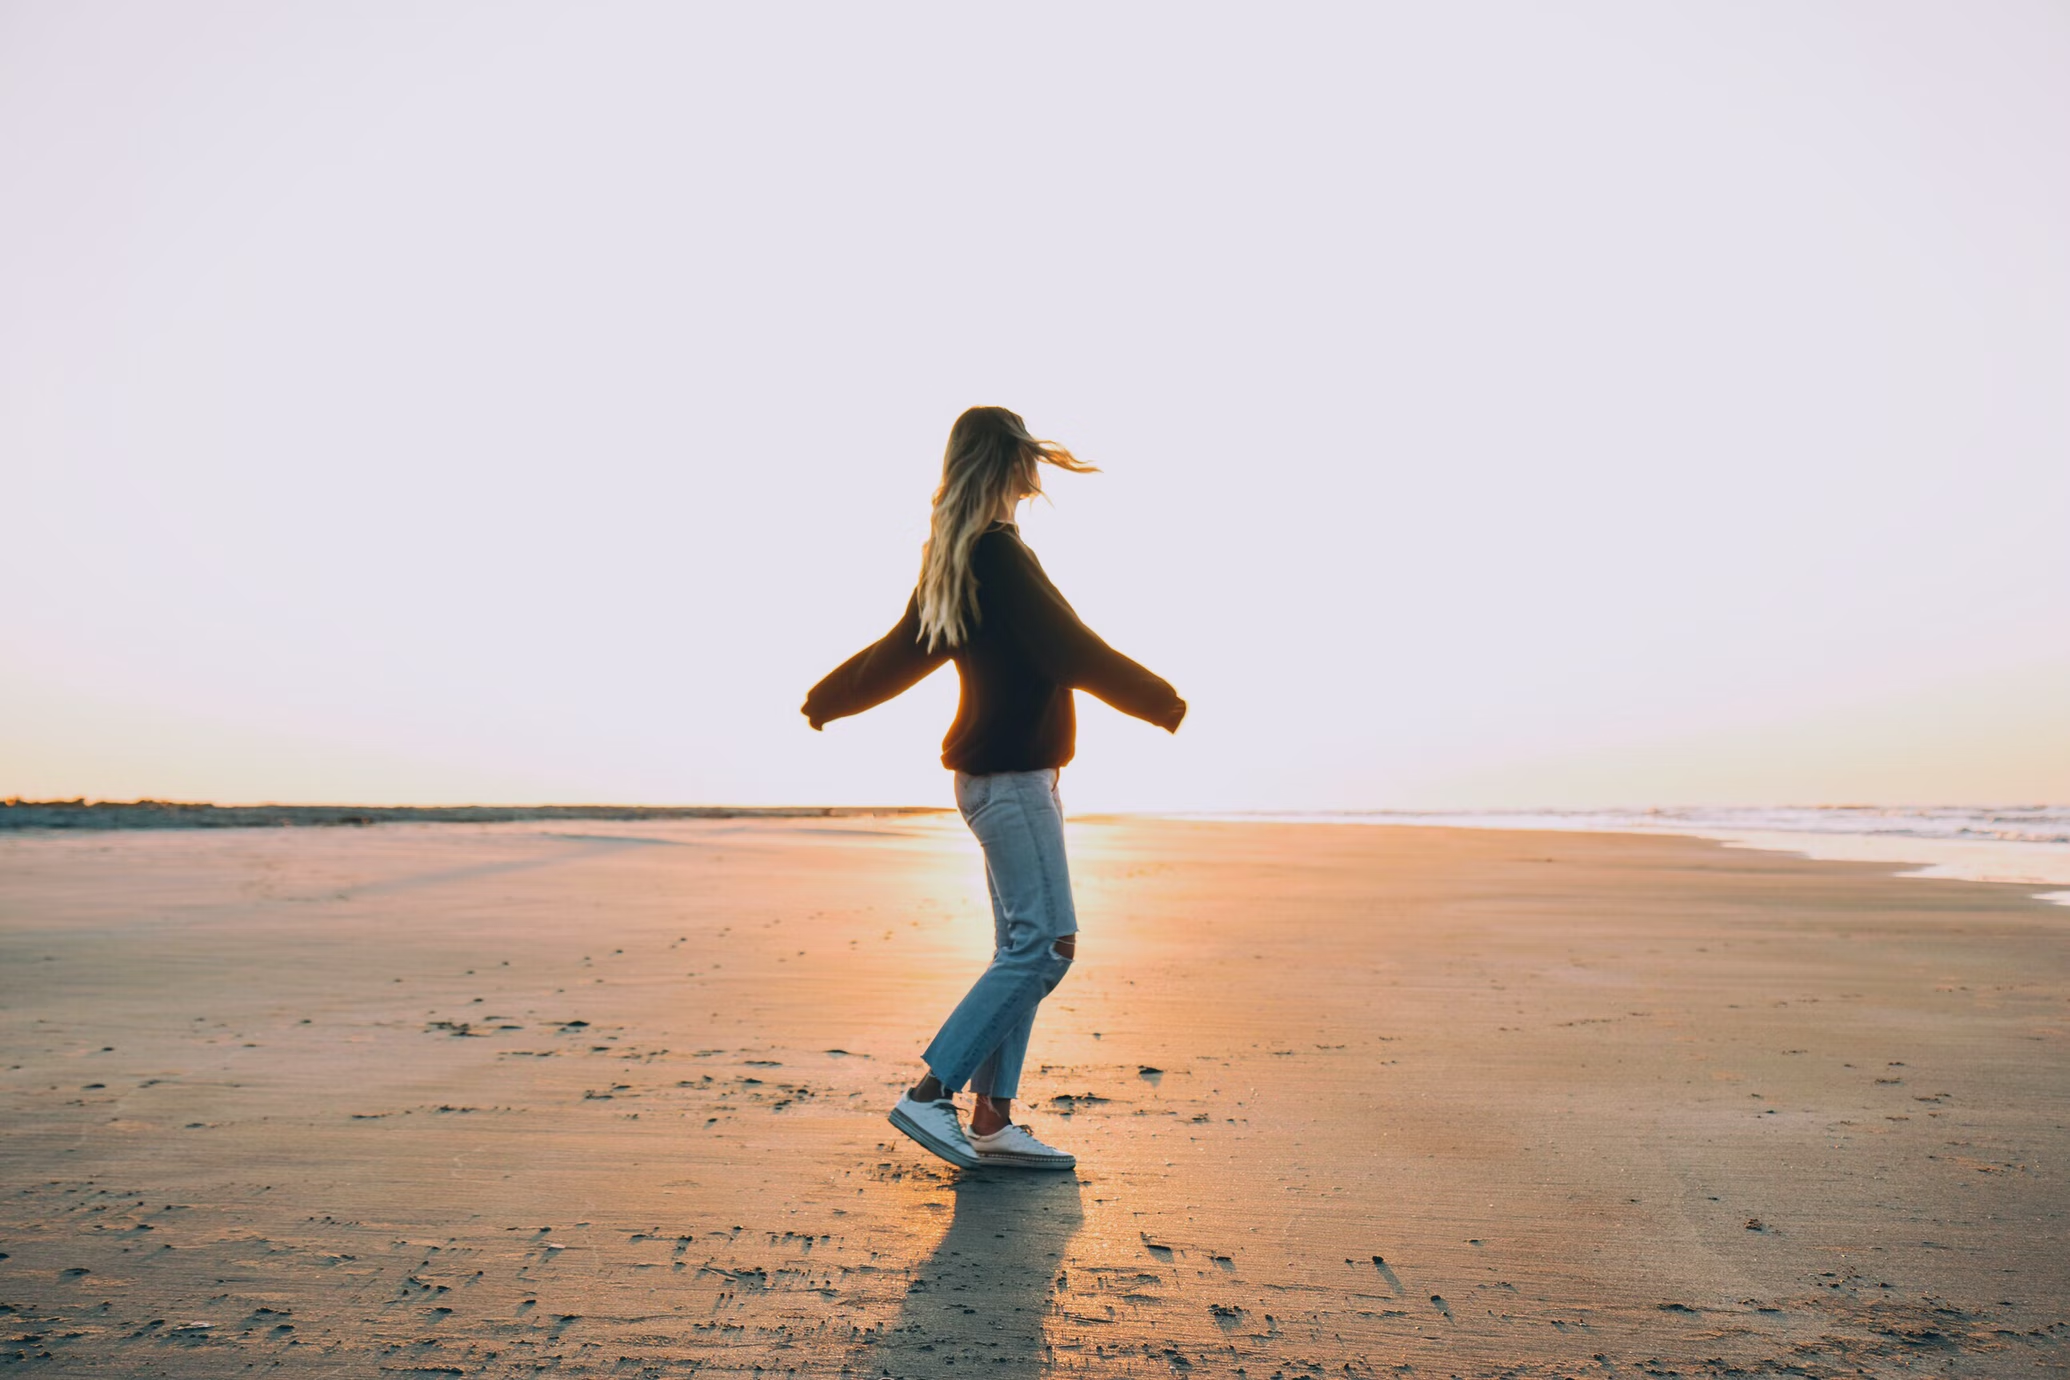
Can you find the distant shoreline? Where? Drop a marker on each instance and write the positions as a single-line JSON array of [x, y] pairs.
[[170, 814]]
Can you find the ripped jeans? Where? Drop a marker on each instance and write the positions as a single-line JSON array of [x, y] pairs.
[[1019, 822]]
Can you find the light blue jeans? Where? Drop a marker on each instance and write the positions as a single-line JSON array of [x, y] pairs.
[[1019, 822]]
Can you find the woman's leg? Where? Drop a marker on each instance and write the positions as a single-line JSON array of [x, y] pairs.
[[1019, 823], [1002, 1067], [997, 1071]]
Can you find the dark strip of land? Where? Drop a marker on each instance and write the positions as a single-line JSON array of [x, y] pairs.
[[174, 814]]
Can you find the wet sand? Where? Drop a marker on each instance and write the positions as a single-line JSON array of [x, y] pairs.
[[607, 1099]]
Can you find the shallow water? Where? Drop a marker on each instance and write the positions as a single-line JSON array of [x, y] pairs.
[[2025, 844]]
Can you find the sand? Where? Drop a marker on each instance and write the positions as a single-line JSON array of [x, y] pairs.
[[607, 1099]]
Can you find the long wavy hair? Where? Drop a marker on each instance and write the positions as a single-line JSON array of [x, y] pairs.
[[990, 458]]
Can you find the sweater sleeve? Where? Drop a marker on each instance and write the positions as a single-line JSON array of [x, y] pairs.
[[1046, 628], [888, 667]]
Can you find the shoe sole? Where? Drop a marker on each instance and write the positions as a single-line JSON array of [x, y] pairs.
[[1028, 1161], [963, 1157]]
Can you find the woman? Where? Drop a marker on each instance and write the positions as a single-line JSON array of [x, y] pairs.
[[984, 603]]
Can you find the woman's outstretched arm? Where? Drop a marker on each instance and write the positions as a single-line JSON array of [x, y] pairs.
[[888, 667], [1063, 648]]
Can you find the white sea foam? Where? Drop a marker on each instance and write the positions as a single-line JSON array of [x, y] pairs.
[[2023, 844]]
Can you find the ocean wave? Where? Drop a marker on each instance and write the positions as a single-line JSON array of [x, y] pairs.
[[2001, 823]]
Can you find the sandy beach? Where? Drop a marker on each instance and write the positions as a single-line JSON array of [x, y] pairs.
[[606, 1098]]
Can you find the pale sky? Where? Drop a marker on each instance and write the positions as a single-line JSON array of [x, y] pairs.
[[1500, 405]]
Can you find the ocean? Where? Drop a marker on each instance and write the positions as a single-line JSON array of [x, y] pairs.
[[2027, 845]]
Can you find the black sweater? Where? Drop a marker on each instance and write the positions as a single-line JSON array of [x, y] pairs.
[[1018, 666]]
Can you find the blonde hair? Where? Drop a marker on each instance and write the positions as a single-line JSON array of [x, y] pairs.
[[990, 458]]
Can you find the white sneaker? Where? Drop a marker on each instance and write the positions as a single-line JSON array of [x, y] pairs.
[[1015, 1145], [936, 1128]]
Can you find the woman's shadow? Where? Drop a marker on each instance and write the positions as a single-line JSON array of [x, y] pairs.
[[982, 1296]]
